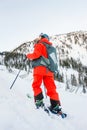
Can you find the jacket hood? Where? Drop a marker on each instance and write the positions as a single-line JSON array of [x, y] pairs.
[[45, 40]]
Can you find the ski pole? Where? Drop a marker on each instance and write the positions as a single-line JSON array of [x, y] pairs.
[[15, 79], [45, 92]]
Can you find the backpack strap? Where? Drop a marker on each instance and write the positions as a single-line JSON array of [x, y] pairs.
[[46, 45]]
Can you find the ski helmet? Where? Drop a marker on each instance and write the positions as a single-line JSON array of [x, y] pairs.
[[44, 36]]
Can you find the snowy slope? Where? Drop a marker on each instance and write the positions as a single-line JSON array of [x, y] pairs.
[[19, 112]]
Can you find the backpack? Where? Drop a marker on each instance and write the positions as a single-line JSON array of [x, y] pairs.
[[51, 62], [52, 57]]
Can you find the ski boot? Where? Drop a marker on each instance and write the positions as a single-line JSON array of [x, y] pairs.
[[57, 110]]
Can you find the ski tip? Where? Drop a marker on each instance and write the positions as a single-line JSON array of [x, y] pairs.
[[63, 115], [28, 96]]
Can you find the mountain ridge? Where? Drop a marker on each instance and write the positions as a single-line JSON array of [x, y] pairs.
[[71, 51]]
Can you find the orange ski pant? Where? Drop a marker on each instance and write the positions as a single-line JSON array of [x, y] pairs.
[[49, 84]]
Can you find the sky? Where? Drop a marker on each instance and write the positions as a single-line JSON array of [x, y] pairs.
[[24, 20]]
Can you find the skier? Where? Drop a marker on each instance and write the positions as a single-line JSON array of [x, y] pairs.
[[42, 73]]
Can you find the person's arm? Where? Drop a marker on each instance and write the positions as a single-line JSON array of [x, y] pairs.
[[36, 54]]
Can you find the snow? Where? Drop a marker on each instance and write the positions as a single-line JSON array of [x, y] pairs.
[[77, 51], [19, 112], [79, 54]]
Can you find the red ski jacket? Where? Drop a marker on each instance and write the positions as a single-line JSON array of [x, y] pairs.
[[40, 50]]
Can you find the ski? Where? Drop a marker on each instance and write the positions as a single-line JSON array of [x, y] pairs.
[[28, 96], [62, 114], [48, 111], [51, 114]]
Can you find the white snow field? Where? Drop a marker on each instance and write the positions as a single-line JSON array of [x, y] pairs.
[[17, 112]]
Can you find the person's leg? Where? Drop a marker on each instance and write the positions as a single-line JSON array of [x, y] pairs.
[[36, 85], [51, 87], [52, 93]]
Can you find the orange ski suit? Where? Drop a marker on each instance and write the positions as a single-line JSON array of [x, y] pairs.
[[41, 73]]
